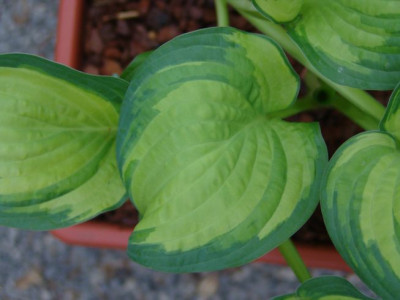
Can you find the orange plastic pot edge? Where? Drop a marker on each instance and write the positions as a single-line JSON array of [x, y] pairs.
[[69, 32]]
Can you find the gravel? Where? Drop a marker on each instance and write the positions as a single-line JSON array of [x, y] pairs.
[[34, 265], [28, 26], [37, 266]]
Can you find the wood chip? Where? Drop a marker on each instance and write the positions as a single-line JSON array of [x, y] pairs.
[[168, 32], [123, 15], [110, 67], [112, 52]]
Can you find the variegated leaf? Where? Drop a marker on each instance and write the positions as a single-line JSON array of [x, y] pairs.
[[57, 143], [325, 288], [218, 180], [361, 203], [355, 43]]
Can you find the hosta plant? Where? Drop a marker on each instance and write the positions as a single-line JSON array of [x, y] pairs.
[[195, 135]]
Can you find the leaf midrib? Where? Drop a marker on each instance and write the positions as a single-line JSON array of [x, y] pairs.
[[222, 145]]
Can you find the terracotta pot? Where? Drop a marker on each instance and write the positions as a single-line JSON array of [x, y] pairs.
[[103, 235]]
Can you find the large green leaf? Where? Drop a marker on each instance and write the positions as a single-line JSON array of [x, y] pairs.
[[57, 143], [355, 43], [325, 288], [218, 181], [361, 203]]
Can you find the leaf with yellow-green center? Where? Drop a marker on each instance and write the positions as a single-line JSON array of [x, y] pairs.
[[217, 179], [57, 149], [361, 203], [354, 43]]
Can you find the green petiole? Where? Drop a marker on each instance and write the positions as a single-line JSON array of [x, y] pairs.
[[358, 100], [324, 96], [221, 8], [294, 260]]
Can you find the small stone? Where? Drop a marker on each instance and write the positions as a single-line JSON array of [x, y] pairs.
[[163, 296], [208, 285], [130, 284], [96, 277], [240, 274], [32, 277], [22, 14], [152, 35]]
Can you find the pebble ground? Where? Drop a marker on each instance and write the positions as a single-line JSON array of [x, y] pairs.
[[34, 265]]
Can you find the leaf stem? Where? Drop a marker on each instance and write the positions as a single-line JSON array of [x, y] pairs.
[[358, 98], [302, 104], [294, 260], [221, 8], [361, 100], [321, 95], [364, 120]]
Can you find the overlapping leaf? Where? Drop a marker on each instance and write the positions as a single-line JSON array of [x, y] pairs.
[[355, 43], [218, 181], [361, 203], [280, 11], [57, 143], [325, 287]]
